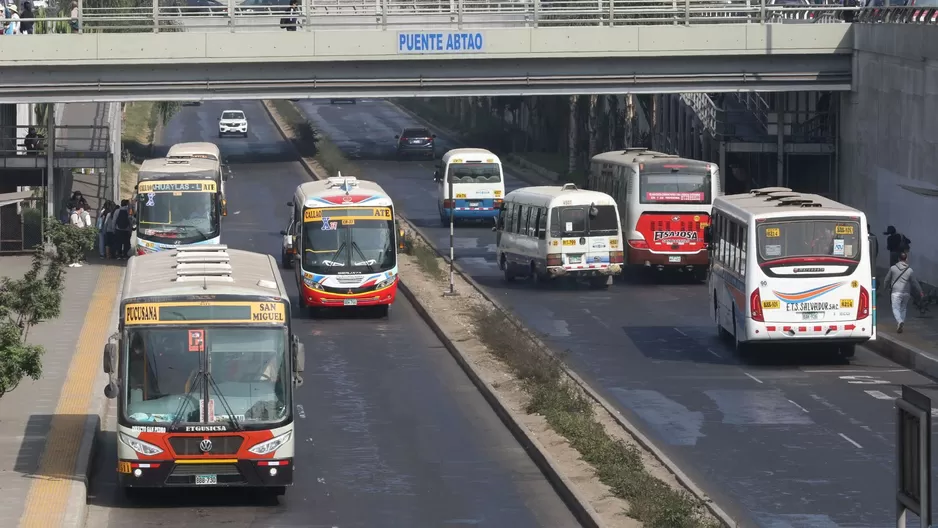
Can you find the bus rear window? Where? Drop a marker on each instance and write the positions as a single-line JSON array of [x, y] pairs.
[[575, 221], [475, 173], [828, 237], [677, 188]]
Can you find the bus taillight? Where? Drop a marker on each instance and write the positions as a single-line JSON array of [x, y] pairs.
[[554, 259], [447, 204], [615, 257], [863, 310], [755, 306], [638, 244]]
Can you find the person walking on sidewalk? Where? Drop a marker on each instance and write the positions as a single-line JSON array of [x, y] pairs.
[[896, 243], [901, 281], [123, 227]]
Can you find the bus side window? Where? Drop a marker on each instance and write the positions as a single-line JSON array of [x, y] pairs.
[[527, 221], [744, 232], [500, 223], [519, 219], [734, 246], [542, 224], [509, 217], [723, 240]]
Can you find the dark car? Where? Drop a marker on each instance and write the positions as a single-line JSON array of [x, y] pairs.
[[264, 6], [204, 7], [415, 141]]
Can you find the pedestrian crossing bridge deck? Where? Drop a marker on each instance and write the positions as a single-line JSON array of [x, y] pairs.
[[383, 48]]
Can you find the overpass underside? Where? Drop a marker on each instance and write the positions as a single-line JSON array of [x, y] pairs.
[[376, 63]]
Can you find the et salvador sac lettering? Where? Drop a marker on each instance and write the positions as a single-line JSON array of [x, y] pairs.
[[440, 42], [811, 307]]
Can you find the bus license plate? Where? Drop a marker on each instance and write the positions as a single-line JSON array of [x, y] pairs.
[[206, 480], [473, 204], [676, 258], [351, 302], [810, 316], [575, 259]]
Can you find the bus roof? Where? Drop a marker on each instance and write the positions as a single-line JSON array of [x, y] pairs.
[[163, 168], [475, 154], [555, 196], [651, 158], [341, 191], [199, 270], [780, 202], [196, 147]]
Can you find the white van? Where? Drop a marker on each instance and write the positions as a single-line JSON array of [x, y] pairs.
[[550, 232], [478, 184]]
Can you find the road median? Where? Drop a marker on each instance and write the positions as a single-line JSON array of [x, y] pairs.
[[607, 473]]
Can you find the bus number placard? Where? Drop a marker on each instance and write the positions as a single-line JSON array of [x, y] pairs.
[[843, 230], [773, 232]]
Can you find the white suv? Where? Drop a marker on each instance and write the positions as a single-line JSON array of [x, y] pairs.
[[232, 122]]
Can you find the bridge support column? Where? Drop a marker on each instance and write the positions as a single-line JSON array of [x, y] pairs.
[[50, 165], [780, 157]]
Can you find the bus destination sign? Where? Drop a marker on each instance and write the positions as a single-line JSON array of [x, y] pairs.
[[176, 186], [347, 213], [205, 313]]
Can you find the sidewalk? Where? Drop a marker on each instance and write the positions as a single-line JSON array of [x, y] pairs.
[[915, 348], [47, 426]]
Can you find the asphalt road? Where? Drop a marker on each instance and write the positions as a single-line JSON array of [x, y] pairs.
[[391, 432], [790, 440]]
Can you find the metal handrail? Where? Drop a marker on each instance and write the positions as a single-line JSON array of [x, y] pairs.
[[164, 16]]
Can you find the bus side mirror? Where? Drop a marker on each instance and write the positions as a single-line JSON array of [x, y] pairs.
[[299, 358], [110, 390], [283, 232], [110, 358], [289, 204], [436, 176], [708, 235]]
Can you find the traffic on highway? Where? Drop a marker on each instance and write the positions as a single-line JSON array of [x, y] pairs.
[[388, 431]]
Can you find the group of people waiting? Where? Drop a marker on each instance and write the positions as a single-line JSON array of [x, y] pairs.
[[115, 224], [12, 22]]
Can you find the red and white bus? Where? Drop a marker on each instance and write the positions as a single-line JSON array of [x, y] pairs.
[[345, 245], [665, 203]]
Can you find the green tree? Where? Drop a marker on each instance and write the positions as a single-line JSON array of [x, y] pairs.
[[24, 303], [70, 242], [165, 110]]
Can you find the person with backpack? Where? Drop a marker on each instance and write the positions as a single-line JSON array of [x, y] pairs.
[[896, 243], [123, 227], [900, 281]]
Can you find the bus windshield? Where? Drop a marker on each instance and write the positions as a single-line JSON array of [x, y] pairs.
[[676, 188], [474, 173], [349, 242], [185, 217], [247, 365], [813, 240], [574, 220]]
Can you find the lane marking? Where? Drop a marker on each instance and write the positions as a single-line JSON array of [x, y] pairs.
[[600, 321], [868, 371], [48, 494], [847, 438], [714, 353], [678, 330], [865, 380], [879, 395], [753, 377], [798, 406]]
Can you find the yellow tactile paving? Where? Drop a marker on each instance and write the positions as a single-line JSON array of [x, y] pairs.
[[49, 492]]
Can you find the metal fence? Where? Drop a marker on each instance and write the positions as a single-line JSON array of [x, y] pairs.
[[74, 141], [21, 226], [273, 15]]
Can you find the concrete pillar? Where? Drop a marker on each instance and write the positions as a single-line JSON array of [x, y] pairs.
[[114, 148], [50, 165]]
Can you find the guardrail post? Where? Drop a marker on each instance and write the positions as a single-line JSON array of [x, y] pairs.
[[231, 17], [537, 11], [156, 16], [459, 10], [762, 11], [612, 13], [384, 14], [81, 16], [686, 12], [674, 20]]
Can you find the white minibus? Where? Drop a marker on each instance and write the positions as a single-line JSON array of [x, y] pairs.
[[551, 232], [793, 268], [478, 184]]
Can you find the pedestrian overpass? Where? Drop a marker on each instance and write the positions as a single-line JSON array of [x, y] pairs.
[[395, 48]]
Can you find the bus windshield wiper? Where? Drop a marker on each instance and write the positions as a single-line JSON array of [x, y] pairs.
[[232, 419], [196, 383], [335, 256], [362, 255], [197, 229]]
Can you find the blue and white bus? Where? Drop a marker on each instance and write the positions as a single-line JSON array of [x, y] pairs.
[[478, 185]]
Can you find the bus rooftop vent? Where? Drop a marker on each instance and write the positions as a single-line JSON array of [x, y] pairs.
[[796, 201], [264, 283], [767, 190], [203, 263], [632, 150], [569, 187], [780, 195]]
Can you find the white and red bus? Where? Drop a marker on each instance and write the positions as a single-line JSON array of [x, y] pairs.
[[345, 244], [665, 203]]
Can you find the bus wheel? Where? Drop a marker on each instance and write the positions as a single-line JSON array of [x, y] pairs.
[[721, 332], [131, 493], [700, 274], [742, 347], [382, 310], [285, 261], [506, 269]]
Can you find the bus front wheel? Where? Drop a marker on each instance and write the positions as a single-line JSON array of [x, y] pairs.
[[847, 351]]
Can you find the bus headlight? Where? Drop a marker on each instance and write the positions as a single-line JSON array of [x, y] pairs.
[[312, 284], [269, 446], [385, 283], [140, 446]]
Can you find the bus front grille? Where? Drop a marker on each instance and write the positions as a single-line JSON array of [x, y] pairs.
[[221, 445]]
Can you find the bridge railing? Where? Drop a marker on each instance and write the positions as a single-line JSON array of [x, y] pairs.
[[273, 15]]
